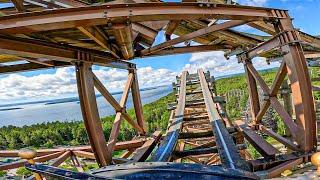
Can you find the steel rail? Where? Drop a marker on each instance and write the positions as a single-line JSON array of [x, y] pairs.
[[227, 149], [165, 150]]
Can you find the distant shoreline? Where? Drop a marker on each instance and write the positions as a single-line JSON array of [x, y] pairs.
[[10, 109], [63, 100]]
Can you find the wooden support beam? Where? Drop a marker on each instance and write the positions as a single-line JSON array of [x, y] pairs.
[[38, 61], [287, 119], [294, 129], [261, 145], [90, 113], [142, 153], [136, 98], [18, 4], [123, 36], [119, 13], [253, 93], [263, 85], [171, 27], [99, 38], [57, 52], [21, 163], [188, 49], [277, 170], [288, 143], [301, 87], [84, 154], [117, 121], [262, 112], [108, 96], [61, 159], [31, 67], [193, 35], [281, 74]]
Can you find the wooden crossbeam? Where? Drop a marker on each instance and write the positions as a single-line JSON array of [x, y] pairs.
[[117, 121], [193, 35], [260, 144], [262, 112], [21, 163], [98, 37], [84, 154], [61, 159], [108, 96], [277, 170], [273, 100], [279, 138], [142, 153], [280, 76]]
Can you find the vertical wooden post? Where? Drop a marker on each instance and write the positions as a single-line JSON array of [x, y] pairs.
[[287, 101], [253, 92], [90, 112], [137, 99], [300, 85]]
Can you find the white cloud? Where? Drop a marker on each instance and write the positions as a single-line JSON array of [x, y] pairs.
[[252, 2], [62, 83], [216, 63]]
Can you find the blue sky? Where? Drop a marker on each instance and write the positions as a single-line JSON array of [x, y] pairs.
[[154, 70]]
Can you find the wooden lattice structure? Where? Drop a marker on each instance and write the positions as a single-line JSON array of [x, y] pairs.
[[51, 34]]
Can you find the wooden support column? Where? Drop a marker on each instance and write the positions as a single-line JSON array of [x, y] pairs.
[[253, 93], [287, 101], [90, 113], [137, 99], [300, 85]]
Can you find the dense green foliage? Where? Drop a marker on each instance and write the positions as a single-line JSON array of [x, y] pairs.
[[73, 133], [235, 105]]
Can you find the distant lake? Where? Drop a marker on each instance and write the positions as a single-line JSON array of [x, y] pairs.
[[33, 113]]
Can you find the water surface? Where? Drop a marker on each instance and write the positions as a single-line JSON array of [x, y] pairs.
[[28, 114]]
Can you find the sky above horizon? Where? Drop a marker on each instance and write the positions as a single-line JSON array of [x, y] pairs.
[[153, 71]]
